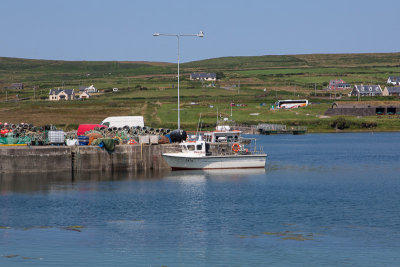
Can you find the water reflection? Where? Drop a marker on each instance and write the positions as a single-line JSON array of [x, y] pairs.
[[198, 176], [33, 182]]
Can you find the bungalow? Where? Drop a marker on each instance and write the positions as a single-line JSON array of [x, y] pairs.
[[338, 85], [203, 76], [390, 91], [395, 80], [84, 95], [61, 94], [366, 90], [90, 89], [17, 86]]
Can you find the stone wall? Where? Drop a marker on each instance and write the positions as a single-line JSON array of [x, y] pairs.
[[132, 158], [35, 159], [83, 158], [124, 158]]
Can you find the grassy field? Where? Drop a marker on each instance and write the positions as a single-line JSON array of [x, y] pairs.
[[149, 89]]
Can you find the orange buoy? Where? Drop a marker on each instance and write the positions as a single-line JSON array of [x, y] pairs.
[[235, 147]]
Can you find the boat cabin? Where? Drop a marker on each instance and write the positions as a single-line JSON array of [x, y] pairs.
[[200, 148], [222, 136]]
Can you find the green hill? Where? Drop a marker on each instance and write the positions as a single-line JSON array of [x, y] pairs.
[[149, 88]]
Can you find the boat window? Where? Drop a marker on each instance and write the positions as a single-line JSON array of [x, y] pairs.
[[190, 147], [199, 147]]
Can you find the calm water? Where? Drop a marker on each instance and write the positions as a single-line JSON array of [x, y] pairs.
[[324, 200]]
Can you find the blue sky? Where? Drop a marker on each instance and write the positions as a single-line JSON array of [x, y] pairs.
[[122, 29]]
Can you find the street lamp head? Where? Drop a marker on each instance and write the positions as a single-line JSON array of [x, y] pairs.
[[156, 34], [200, 34]]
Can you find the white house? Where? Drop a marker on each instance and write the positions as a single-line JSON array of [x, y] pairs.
[[395, 80], [90, 89], [61, 94], [203, 76], [85, 95]]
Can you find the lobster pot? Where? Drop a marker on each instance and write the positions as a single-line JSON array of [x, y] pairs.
[[154, 139], [56, 137], [83, 140]]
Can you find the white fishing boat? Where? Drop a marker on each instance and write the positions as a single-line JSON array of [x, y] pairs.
[[197, 156]]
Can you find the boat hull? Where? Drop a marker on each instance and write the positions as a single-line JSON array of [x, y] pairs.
[[183, 162]]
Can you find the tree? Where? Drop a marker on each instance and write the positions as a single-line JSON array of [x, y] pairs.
[[220, 75]]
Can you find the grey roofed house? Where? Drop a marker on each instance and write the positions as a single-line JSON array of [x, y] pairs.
[[366, 90], [82, 88], [57, 91], [17, 86], [203, 76], [394, 80], [393, 90]]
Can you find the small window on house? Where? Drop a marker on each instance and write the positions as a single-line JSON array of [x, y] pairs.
[[370, 88]]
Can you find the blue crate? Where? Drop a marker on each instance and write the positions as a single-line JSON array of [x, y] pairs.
[[83, 140]]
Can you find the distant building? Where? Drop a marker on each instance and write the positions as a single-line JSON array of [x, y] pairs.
[[61, 94], [85, 95], [338, 85], [17, 86], [90, 89], [361, 109], [203, 76], [366, 90], [391, 91], [394, 80]]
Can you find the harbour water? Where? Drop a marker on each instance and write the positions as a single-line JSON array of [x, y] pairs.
[[323, 200]]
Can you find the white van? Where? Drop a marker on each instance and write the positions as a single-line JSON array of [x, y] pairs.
[[121, 121]]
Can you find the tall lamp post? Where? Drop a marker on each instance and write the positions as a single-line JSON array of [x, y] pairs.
[[200, 34]]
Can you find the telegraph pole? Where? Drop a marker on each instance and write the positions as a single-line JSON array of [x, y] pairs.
[[315, 89]]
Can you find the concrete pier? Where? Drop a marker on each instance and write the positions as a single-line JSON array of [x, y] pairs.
[[83, 158]]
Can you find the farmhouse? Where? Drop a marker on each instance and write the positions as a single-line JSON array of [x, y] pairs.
[[391, 91], [394, 80], [366, 90], [338, 85], [84, 95], [90, 89], [203, 76], [17, 86], [61, 94]]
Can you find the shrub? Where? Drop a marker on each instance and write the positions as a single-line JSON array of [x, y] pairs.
[[340, 123], [368, 125]]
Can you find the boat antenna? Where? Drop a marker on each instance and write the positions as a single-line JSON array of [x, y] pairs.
[[198, 124], [217, 115]]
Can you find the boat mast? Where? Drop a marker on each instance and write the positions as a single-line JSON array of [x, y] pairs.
[[198, 124]]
